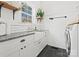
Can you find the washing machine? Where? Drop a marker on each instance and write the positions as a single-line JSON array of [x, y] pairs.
[[72, 40]]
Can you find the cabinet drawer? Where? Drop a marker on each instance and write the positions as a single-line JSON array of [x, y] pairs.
[[39, 35], [39, 45], [29, 39], [38, 42]]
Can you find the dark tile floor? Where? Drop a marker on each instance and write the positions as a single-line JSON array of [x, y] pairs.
[[49, 51]]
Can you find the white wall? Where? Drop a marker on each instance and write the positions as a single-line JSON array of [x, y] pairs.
[[7, 17], [56, 27]]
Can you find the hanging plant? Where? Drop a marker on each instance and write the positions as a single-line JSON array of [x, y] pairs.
[[39, 14]]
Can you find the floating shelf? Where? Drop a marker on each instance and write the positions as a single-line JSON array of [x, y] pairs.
[[8, 6]]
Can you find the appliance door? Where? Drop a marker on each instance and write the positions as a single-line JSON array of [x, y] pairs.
[[2, 29], [74, 41]]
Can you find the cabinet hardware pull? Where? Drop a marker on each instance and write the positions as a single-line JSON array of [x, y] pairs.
[[21, 48], [22, 40], [24, 46], [39, 42]]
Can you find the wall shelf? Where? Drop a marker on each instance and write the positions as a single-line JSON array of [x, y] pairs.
[[73, 23], [8, 6]]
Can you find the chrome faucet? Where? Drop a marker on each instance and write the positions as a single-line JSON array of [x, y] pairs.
[[35, 28]]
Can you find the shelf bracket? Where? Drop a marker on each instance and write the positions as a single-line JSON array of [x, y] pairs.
[[0, 9], [14, 13]]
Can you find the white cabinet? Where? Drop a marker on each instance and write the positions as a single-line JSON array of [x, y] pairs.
[[9, 48], [33, 45], [27, 46], [39, 41]]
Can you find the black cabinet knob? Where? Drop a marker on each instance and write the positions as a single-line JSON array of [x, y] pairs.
[[21, 48], [24, 46]]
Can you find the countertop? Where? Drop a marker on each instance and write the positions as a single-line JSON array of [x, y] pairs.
[[15, 35]]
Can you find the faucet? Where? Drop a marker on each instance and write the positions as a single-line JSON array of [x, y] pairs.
[[35, 28]]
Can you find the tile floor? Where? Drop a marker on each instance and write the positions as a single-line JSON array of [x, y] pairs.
[[49, 51]]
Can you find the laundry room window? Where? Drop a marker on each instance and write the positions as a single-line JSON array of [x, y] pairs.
[[26, 13]]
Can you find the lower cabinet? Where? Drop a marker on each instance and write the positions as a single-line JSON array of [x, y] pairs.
[[14, 54], [9, 48], [33, 45], [28, 46], [30, 51]]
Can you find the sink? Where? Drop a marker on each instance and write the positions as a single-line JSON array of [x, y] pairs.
[[38, 34], [36, 31]]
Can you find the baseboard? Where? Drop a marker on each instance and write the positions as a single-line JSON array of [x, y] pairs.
[[55, 47]]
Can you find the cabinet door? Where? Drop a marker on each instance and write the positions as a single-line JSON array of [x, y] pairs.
[[25, 47], [14, 53], [43, 42], [40, 43], [7, 48], [29, 51], [38, 35], [32, 45]]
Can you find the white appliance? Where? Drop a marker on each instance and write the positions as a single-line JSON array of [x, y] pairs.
[[72, 42], [3, 29]]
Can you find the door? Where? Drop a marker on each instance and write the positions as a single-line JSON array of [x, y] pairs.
[[57, 32]]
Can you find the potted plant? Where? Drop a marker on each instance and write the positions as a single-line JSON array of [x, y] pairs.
[[39, 14]]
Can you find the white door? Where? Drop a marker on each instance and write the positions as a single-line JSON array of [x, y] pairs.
[[57, 30]]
